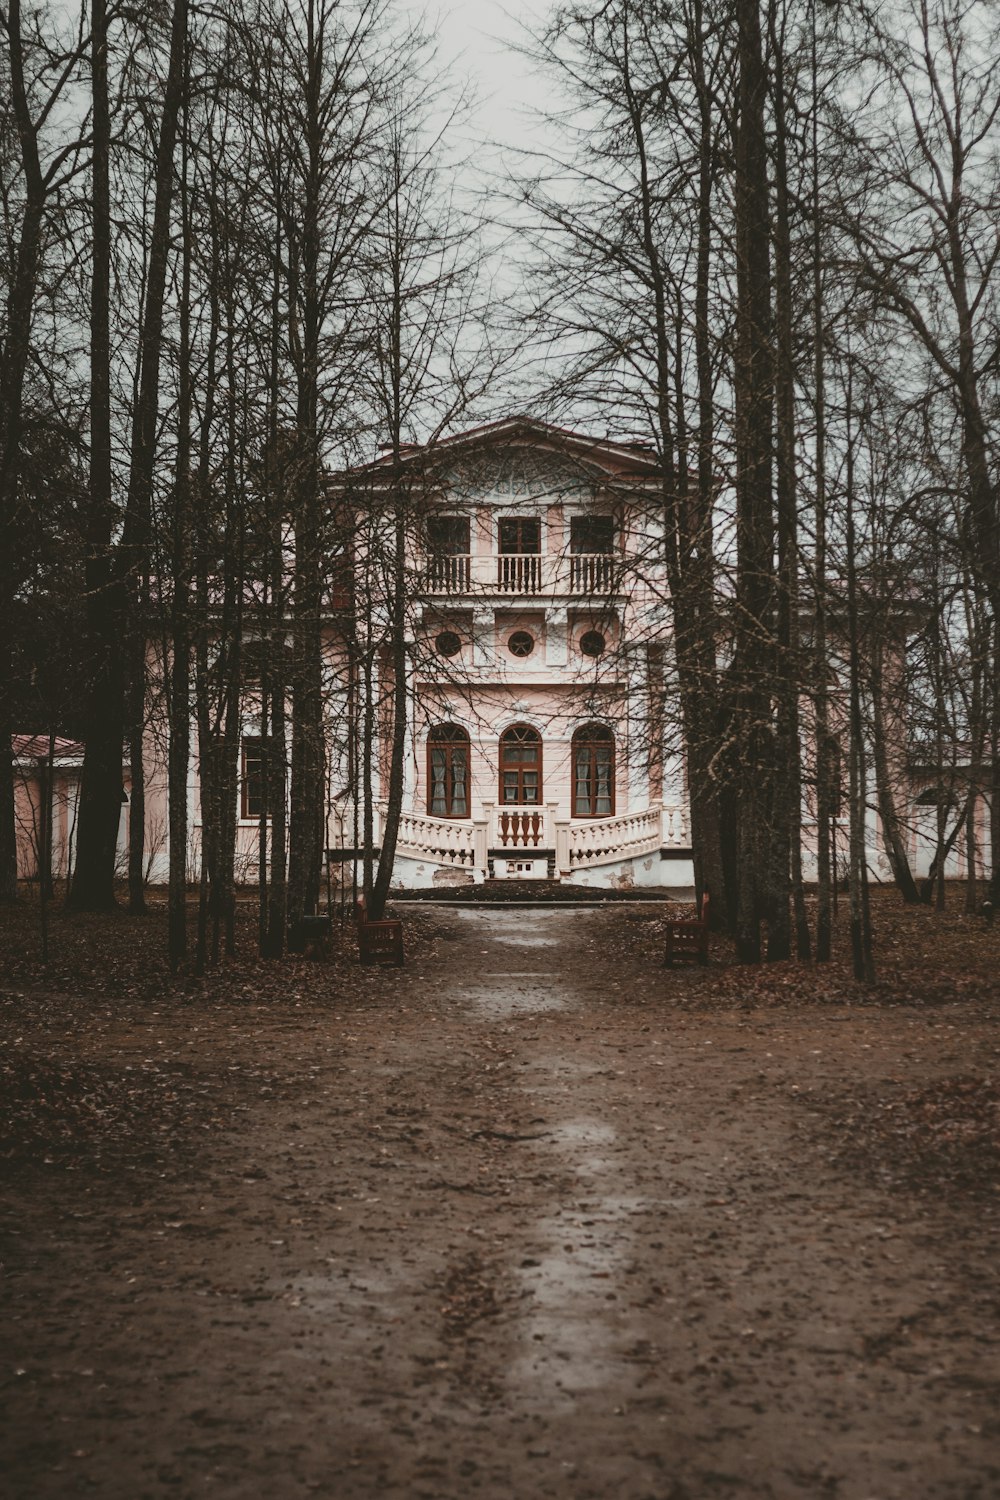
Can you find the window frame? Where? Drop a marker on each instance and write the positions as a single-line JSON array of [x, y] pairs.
[[593, 738], [519, 522], [252, 786], [529, 735], [448, 738], [447, 548], [577, 523]]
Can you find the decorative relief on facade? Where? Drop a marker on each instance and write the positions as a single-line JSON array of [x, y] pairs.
[[504, 478]]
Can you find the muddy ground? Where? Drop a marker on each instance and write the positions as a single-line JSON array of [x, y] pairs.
[[527, 1218]]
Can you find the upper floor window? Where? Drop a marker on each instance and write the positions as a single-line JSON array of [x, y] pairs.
[[591, 534], [448, 535], [593, 772], [520, 534], [448, 553], [591, 547], [448, 771], [520, 546]]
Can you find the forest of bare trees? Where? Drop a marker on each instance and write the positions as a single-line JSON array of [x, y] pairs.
[[763, 234], [770, 240]]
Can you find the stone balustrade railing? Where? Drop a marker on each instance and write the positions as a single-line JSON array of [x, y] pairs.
[[464, 843], [599, 839], [675, 831], [444, 841], [522, 573], [521, 827]]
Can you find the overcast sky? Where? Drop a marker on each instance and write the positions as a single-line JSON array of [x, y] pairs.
[[476, 39]]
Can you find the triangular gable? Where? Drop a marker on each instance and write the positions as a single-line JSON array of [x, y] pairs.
[[521, 456]]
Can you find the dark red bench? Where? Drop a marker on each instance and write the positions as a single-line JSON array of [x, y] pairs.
[[687, 937], [378, 942]]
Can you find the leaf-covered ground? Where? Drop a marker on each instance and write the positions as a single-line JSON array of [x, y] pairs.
[[531, 1216]]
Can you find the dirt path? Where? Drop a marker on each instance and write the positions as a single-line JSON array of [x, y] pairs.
[[533, 1233]]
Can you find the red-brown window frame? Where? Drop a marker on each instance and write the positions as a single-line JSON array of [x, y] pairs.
[[591, 737], [454, 738], [518, 525], [519, 766]]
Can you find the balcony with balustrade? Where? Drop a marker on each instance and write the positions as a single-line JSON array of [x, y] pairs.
[[522, 575]]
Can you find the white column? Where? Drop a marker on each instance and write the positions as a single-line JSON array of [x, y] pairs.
[[562, 846], [637, 720], [409, 743], [480, 843]]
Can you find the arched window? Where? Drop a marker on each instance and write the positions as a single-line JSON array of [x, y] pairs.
[[593, 772], [520, 766], [448, 772]]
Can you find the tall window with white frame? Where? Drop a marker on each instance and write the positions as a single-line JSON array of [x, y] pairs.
[[252, 779]]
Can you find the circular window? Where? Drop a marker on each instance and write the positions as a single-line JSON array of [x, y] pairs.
[[593, 643], [448, 643], [521, 643]]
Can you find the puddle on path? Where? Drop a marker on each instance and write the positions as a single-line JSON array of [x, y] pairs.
[[574, 1329], [582, 1132], [512, 995], [525, 940]]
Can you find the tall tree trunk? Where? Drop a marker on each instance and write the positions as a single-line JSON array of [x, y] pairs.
[[822, 749], [861, 932], [273, 945], [93, 884], [885, 790], [400, 698], [688, 557], [135, 552], [786, 844], [118, 620], [308, 750], [178, 661], [13, 369], [753, 394]]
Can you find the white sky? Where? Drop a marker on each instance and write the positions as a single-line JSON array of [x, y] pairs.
[[476, 40]]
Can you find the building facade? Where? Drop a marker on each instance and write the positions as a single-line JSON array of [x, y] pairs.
[[541, 733], [537, 636]]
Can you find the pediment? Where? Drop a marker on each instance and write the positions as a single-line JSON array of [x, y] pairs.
[[508, 474]]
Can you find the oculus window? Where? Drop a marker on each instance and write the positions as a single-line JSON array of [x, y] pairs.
[[448, 643]]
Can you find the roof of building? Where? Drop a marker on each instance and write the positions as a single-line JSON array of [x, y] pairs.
[[619, 458], [36, 747]]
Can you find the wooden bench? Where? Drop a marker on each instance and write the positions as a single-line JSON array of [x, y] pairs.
[[378, 942], [687, 937]]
